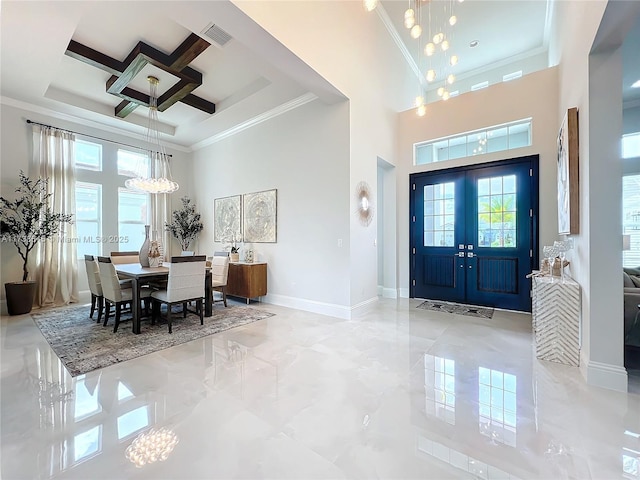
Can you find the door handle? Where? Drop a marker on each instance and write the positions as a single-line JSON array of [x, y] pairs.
[[470, 254], [459, 254]]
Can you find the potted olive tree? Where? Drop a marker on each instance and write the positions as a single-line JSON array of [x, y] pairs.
[[186, 224], [24, 222]]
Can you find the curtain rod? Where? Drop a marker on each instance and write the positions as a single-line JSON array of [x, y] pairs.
[[90, 136]]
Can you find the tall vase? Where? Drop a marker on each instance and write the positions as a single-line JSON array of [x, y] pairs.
[[144, 250]]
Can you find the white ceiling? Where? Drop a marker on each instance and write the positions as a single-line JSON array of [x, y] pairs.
[[242, 83]]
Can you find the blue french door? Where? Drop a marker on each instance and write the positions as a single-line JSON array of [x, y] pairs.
[[473, 234]]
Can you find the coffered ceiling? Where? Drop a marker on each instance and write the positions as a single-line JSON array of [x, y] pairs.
[[243, 85]]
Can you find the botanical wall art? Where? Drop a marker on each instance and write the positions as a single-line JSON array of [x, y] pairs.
[[259, 216], [568, 175], [227, 219]]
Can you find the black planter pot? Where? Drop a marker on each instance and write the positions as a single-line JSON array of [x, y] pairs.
[[20, 297]]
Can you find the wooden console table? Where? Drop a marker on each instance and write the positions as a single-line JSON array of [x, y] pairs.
[[556, 319], [247, 280]]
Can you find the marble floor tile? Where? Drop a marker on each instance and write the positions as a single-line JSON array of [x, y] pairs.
[[396, 392]]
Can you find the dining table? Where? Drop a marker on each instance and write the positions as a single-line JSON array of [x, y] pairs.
[[140, 275]]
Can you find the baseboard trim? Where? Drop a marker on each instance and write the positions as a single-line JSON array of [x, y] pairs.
[[380, 290], [329, 309], [605, 375], [389, 293], [364, 303], [404, 293]]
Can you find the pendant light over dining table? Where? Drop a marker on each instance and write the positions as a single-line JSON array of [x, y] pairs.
[[161, 181]]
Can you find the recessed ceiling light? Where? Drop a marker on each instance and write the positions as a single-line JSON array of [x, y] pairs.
[[636, 84], [474, 43]]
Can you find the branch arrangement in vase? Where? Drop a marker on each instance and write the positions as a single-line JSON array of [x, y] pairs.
[[29, 218], [186, 224]]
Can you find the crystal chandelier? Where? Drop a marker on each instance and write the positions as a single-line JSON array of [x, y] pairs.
[[162, 182], [438, 50], [436, 24]]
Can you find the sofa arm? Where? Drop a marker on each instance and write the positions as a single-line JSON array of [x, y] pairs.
[[631, 302]]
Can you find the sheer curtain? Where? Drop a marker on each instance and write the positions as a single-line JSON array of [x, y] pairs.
[[56, 269], [161, 204]]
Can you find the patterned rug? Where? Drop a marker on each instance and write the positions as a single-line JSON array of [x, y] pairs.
[[458, 308], [84, 345]]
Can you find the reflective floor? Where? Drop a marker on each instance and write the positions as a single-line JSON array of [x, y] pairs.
[[398, 392]]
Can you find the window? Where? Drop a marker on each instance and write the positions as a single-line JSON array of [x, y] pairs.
[[439, 215], [497, 211], [507, 136], [631, 219], [631, 145], [103, 169], [132, 164], [133, 215], [88, 155], [88, 218]]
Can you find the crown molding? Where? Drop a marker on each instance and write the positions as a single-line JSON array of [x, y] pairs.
[[258, 119], [386, 20], [12, 102]]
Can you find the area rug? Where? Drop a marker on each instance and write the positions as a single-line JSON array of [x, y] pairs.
[[458, 308], [84, 345]]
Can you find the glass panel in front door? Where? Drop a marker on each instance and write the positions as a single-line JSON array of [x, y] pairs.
[[497, 212], [439, 215]]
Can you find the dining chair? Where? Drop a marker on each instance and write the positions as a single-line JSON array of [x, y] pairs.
[[219, 276], [118, 258], [113, 292], [95, 287], [185, 283]]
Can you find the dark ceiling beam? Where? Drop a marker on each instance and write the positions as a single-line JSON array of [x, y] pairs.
[[124, 108], [199, 103], [176, 93], [142, 54], [187, 52], [94, 58]]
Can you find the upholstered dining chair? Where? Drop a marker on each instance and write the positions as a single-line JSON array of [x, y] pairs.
[[185, 283], [95, 287], [119, 258], [114, 293], [219, 276]]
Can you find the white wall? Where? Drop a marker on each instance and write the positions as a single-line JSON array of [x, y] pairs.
[[15, 154], [534, 95], [352, 50], [304, 154], [590, 78]]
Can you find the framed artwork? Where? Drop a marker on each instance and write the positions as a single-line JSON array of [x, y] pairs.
[[259, 216], [568, 175], [227, 219]]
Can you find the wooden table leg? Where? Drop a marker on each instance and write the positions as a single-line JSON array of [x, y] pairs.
[[135, 304], [208, 295]]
